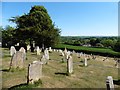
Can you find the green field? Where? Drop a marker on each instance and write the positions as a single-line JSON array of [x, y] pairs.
[[54, 73], [90, 50]]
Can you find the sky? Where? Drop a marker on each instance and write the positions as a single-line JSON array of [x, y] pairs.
[[73, 18]]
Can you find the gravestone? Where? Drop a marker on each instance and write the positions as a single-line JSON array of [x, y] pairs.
[[28, 47], [65, 51], [109, 83], [69, 65], [68, 54], [12, 50], [34, 72], [17, 60], [38, 50], [61, 53], [85, 61], [50, 50], [46, 53], [43, 60], [23, 51]]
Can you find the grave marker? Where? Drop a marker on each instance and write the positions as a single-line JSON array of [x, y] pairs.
[[109, 83], [34, 72], [69, 65], [12, 50]]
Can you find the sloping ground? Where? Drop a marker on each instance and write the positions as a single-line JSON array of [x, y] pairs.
[[54, 73]]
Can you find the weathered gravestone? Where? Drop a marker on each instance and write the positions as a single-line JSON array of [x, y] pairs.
[[85, 61], [38, 50], [46, 53], [17, 60], [44, 60], [34, 72], [23, 51], [70, 65], [12, 50], [109, 83]]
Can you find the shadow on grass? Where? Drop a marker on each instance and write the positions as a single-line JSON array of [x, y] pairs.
[[5, 70], [61, 73], [81, 65], [116, 82], [19, 87]]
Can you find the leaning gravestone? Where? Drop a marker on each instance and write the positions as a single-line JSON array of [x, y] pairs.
[[69, 65], [23, 51], [109, 83], [34, 72], [17, 60], [12, 50]]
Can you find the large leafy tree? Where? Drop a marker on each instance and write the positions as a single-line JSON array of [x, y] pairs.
[[8, 36], [37, 26]]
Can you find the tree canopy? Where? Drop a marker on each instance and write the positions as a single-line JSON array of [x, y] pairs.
[[37, 26]]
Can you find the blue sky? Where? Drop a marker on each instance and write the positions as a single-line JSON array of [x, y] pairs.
[[73, 18]]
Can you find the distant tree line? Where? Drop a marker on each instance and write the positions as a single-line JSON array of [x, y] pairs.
[[101, 42]]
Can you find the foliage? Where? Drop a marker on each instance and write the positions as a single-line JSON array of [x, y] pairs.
[[37, 26], [117, 46], [8, 36]]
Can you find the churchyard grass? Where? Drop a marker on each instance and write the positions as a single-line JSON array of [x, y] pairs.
[[55, 72]]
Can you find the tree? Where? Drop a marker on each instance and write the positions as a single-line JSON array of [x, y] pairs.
[[37, 26], [117, 46], [8, 36]]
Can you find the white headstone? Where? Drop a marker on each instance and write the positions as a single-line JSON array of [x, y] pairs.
[[38, 50], [24, 51], [50, 50], [70, 65], [85, 62], [46, 53], [28, 47], [12, 50], [109, 83]]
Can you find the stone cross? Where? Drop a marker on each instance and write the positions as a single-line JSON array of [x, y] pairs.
[[34, 72], [70, 65], [109, 83], [12, 50], [17, 60]]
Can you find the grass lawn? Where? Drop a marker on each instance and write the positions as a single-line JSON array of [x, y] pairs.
[[54, 73]]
